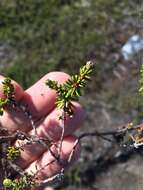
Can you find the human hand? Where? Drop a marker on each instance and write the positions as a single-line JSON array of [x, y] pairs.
[[40, 101]]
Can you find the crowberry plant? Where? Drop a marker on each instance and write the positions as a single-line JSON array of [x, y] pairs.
[[66, 93]]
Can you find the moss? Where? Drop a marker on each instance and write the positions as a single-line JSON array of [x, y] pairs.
[[48, 35]]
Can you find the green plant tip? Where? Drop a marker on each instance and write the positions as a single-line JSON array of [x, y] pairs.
[[7, 182], [12, 153]]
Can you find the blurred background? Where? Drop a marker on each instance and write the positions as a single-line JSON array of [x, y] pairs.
[[39, 36]]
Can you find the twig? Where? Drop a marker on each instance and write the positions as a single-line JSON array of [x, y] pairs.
[[30, 117], [121, 131], [63, 117]]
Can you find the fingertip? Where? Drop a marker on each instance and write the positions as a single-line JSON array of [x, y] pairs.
[[40, 98], [60, 77]]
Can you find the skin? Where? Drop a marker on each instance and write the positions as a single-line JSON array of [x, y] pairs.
[[41, 104]]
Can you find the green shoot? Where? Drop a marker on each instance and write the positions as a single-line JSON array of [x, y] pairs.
[[12, 153], [8, 91], [71, 89]]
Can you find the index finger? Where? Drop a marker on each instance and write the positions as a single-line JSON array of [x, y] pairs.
[[40, 98]]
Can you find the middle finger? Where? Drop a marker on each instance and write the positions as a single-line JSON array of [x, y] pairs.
[[50, 128]]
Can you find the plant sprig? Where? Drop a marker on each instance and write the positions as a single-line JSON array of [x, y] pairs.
[[71, 89], [24, 182], [8, 91], [8, 88], [12, 153], [3, 103]]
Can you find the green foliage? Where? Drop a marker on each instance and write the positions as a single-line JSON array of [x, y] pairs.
[[71, 89], [12, 153], [47, 35], [17, 184], [74, 176], [7, 182], [8, 88], [8, 91], [3, 103]]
